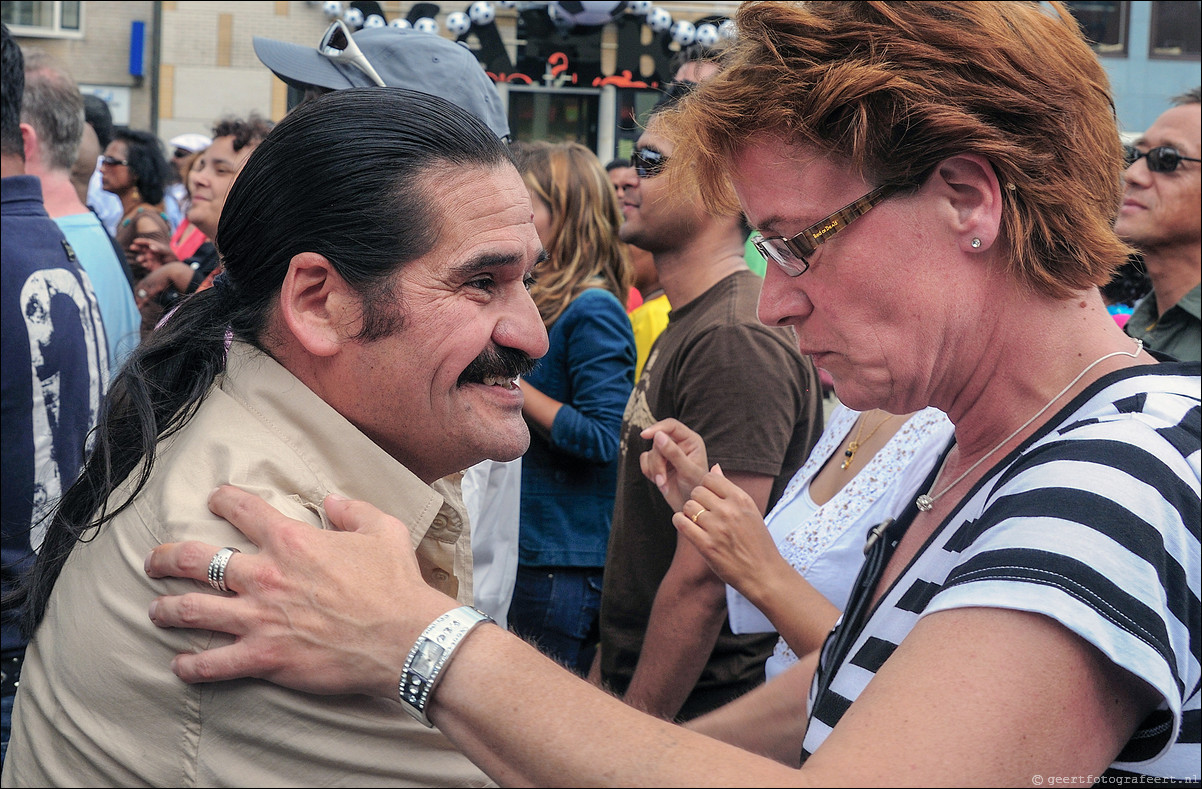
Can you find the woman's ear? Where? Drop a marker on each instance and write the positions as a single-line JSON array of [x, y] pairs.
[[314, 302], [970, 185]]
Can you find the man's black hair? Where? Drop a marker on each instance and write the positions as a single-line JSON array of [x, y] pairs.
[[12, 86], [96, 114]]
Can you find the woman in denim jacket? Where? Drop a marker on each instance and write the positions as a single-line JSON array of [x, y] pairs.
[[574, 401]]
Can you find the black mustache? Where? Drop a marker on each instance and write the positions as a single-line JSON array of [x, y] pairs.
[[498, 362]]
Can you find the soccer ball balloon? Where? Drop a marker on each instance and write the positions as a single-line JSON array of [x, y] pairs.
[[707, 34], [400, 23], [426, 25], [458, 23], [683, 33], [639, 7], [727, 29], [482, 13], [375, 20], [353, 18], [332, 9], [659, 20]]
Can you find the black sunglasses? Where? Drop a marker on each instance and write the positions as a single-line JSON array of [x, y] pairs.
[[112, 161], [1161, 159], [648, 162]]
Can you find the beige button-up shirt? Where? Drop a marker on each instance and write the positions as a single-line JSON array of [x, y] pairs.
[[98, 704]]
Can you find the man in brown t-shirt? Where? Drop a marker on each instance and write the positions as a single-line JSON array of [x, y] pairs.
[[666, 645]]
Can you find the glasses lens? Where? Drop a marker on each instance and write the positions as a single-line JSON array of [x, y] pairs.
[[113, 162], [774, 249], [648, 163], [335, 38], [1163, 159]]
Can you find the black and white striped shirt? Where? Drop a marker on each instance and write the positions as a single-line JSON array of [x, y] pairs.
[[1094, 522]]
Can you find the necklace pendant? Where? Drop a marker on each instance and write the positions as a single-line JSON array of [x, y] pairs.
[[925, 502]]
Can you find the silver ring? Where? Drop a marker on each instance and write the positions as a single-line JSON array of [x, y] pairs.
[[217, 568], [142, 293]]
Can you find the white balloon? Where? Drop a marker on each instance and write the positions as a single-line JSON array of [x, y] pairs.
[[426, 25], [639, 7], [332, 9], [458, 23], [482, 13], [683, 33], [375, 20], [400, 23], [353, 17], [707, 34], [659, 20], [727, 29]]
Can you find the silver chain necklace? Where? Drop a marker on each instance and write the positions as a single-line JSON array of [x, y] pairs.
[[926, 501]]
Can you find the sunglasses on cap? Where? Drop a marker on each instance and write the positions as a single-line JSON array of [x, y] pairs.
[[648, 162], [112, 161], [338, 46], [1161, 159]]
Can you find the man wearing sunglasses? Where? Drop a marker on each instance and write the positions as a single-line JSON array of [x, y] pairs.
[[666, 645], [388, 57], [1160, 216]]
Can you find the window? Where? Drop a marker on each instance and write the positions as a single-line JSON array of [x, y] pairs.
[[48, 19], [554, 115], [1104, 25], [1176, 30]]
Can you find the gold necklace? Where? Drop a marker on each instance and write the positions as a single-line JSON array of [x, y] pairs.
[[856, 443], [926, 500]]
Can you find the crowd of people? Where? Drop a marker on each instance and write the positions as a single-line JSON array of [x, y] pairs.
[[378, 399]]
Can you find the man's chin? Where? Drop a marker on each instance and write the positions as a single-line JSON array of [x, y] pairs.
[[511, 450]]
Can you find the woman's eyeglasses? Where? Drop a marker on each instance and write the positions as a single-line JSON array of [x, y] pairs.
[[112, 161], [338, 46], [790, 254], [648, 162], [1161, 159]]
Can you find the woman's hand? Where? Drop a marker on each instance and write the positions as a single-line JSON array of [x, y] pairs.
[[149, 288], [151, 254], [322, 611], [676, 461], [725, 525]]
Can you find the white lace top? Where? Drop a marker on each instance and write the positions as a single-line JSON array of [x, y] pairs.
[[825, 543]]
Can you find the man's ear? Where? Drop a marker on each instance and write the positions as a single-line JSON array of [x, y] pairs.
[[316, 304], [29, 140], [970, 185]]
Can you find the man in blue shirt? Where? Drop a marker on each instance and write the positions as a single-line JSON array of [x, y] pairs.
[[52, 111], [53, 362]]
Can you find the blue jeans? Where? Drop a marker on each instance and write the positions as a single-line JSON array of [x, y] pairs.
[[557, 609]]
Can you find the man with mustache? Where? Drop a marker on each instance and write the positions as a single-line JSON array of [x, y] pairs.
[[372, 351]]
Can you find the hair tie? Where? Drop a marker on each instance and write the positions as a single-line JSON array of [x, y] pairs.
[[224, 287]]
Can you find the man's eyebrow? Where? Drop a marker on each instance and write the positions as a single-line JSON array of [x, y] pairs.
[[491, 260]]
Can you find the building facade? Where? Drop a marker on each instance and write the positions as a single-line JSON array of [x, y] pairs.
[[586, 72]]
